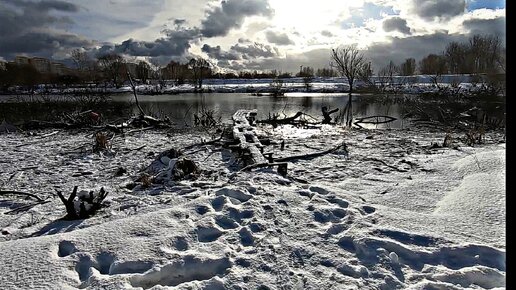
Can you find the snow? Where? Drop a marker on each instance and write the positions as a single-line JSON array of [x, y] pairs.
[[416, 84], [419, 218]]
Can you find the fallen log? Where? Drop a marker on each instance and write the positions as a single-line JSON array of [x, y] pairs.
[[248, 142]]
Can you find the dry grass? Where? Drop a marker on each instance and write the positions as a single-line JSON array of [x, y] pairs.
[[146, 180], [102, 142]]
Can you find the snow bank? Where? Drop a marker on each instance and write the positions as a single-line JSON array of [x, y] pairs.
[[335, 222]]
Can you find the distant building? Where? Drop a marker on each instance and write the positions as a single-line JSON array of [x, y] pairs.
[[22, 60], [3, 65], [59, 69], [41, 64]]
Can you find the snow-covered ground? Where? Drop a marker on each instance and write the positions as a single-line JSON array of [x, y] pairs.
[[392, 213]]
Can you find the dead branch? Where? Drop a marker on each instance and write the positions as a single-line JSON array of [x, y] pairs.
[[211, 142], [375, 120], [263, 164], [385, 163], [26, 207], [313, 155], [6, 192], [88, 204], [135, 95], [275, 121]]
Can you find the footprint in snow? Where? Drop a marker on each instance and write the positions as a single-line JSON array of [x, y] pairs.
[[66, 248]]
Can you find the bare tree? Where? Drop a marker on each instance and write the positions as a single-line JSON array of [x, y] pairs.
[[349, 62], [113, 66], [176, 72], [484, 52], [157, 73], [201, 68], [143, 71], [433, 64], [408, 68], [502, 59], [456, 58], [307, 73], [386, 75], [80, 59]]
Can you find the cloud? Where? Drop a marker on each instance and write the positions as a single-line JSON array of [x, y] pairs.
[[486, 26], [255, 50], [217, 53], [399, 49], [240, 54], [29, 27], [317, 58], [441, 9], [327, 33], [176, 43], [396, 24], [231, 14], [278, 38]]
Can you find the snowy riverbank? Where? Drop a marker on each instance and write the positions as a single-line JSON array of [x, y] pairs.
[[397, 84], [393, 213]]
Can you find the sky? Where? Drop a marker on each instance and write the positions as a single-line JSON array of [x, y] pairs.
[[244, 34]]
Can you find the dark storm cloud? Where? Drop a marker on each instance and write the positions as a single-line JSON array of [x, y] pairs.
[[278, 38], [487, 26], [416, 47], [231, 14], [42, 42], [175, 43], [217, 53], [444, 9], [396, 24], [44, 5], [255, 50], [25, 27]]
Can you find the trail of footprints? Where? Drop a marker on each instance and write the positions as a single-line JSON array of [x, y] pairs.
[[229, 215], [144, 274]]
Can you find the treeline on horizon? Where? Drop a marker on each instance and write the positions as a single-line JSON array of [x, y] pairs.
[[481, 54]]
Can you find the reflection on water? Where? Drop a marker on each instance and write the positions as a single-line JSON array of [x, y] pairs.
[[180, 108]]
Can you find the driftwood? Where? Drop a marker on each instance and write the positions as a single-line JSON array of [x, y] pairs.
[[282, 163], [87, 204], [295, 120], [275, 121]]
